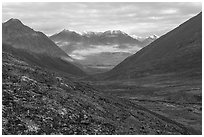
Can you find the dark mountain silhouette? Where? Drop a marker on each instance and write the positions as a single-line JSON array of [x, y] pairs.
[[36, 47], [179, 51]]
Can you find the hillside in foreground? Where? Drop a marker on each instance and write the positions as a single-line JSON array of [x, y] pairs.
[[37, 101]]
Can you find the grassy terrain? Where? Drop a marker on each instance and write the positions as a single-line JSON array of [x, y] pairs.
[[175, 97], [37, 101]]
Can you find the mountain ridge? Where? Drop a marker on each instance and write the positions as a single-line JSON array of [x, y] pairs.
[[36, 46], [168, 46], [15, 33], [73, 36]]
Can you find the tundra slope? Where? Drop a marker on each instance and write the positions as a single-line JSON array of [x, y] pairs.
[[38, 101]]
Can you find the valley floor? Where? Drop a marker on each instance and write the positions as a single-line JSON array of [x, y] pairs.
[[178, 99]]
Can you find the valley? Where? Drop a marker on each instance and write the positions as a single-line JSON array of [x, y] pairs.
[[102, 83], [99, 52], [37, 102]]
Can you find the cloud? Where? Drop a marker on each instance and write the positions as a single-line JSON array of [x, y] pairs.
[[97, 49], [141, 19], [169, 11]]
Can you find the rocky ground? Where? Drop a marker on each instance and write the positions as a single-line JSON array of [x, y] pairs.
[[38, 101]]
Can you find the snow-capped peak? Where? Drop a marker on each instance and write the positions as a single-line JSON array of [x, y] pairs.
[[153, 36], [90, 33], [114, 32], [136, 37], [65, 30]]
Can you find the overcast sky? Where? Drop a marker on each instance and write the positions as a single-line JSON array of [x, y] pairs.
[[141, 19]]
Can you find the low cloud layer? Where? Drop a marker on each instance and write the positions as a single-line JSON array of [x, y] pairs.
[[141, 19], [82, 53]]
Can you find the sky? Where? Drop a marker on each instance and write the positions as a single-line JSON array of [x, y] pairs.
[[140, 19]]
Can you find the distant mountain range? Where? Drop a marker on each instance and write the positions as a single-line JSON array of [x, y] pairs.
[[99, 49], [179, 52], [66, 37], [95, 38], [36, 47]]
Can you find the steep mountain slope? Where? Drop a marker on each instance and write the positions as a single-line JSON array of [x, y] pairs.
[[15, 33], [36, 47], [45, 61], [179, 51], [36, 101]]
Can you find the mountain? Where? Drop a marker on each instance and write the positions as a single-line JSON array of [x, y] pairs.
[[66, 35], [36, 47], [95, 38], [98, 50], [149, 39], [179, 51], [146, 40], [15, 33], [36, 101]]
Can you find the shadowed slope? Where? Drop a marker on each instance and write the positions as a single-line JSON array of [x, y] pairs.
[[45, 61], [36, 48], [178, 51]]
